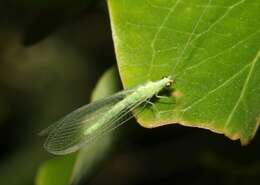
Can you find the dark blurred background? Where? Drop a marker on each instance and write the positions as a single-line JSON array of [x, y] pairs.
[[51, 56]]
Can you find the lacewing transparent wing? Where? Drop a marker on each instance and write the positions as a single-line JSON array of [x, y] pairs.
[[69, 134], [90, 121]]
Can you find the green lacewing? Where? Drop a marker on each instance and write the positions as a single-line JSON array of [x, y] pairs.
[[88, 122]]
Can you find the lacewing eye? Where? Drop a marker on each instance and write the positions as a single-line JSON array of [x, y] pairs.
[[168, 84]]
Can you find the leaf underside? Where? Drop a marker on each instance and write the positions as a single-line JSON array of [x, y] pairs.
[[211, 47]]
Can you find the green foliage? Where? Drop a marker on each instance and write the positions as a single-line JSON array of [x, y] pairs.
[[212, 49], [56, 171]]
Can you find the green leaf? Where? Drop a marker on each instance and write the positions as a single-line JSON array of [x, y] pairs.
[[212, 49], [90, 158], [107, 85], [56, 171], [82, 165]]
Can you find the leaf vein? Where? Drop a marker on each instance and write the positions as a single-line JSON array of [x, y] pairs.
[[172, 9], [217, 88], [243, 90]]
